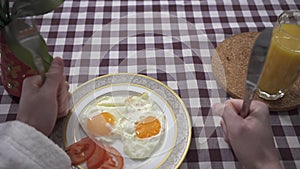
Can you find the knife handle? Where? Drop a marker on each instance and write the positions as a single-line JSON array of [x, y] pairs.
[[40, 66], [248, 97]]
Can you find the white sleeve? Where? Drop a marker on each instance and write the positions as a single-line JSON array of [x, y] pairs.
[[22, 146]]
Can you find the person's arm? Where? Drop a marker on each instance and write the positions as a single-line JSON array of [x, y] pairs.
[[41, 104], [251, 138], [22, 146], [24, 142]]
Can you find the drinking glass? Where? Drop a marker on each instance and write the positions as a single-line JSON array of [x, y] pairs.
[[282, 67]]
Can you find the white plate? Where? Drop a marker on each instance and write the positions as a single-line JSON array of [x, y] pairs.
[[177, 137]]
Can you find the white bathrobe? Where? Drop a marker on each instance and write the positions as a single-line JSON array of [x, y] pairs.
[[23, 147]]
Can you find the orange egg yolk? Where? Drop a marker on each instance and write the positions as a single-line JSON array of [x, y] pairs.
[[101, 124], [148, 127]]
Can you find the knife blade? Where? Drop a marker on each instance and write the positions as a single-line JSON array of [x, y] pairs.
[[28, 36], [255, 66]]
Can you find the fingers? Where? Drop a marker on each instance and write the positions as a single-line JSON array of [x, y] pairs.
[[32, 82], [229, 110], [218, 109], [230, 116], [255, 107], [54, 75], [259, 109], [225, 133], [55, 83], [64, 98], [234, 126], [237, 104], [64, 108]]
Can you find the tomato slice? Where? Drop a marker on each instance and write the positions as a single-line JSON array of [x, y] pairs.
[[114, 161], [95, 156], [97, 159], [81, 150]]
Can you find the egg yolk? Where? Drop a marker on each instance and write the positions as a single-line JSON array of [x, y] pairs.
[[148, 127], [101, 124]]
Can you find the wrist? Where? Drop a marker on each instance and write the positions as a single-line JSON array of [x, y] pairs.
[[274, 164], [268, 160]]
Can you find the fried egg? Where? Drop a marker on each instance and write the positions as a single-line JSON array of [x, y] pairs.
[[143, 128], [136, 121], [102, 118]]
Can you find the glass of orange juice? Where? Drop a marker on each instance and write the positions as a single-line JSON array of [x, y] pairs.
[[282, 67]]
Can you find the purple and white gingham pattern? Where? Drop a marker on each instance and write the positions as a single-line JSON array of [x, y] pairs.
[[123, 40]]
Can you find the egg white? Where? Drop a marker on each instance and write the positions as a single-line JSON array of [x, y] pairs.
[[138, 108], [97, 108], [137, 148], [128, 112]]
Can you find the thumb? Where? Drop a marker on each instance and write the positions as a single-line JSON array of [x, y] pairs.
[[54, 74], [231, 113], [32, 82]]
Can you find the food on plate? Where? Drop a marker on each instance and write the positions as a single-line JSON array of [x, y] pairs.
[[113, 160], [136, 121], [101, 124], [97, 158], [81, 151], [143, 126], [93, 155], [102, 119]]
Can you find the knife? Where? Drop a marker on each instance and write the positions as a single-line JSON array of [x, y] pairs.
[[29, 38], [255, 66]]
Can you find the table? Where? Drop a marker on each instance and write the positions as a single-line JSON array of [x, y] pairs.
[[130, 42]]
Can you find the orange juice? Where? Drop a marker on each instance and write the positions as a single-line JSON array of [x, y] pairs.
[[282, 66]]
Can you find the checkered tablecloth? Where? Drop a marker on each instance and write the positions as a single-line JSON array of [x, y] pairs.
[[171, 41]]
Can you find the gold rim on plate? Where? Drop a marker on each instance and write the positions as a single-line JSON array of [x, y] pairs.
[[149, 84]]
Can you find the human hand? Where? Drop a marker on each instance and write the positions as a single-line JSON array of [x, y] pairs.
[[251, 138], [41, 104]]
